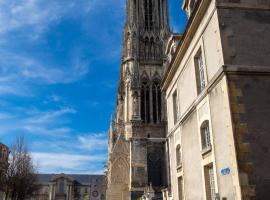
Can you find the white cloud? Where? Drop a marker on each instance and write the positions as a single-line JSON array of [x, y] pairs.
[[35, 17], [32, 18], [47, 117], [4, 116], [38, 14], [18, 73], [13, 65], [11, 90], [93, 141], [21, 72], [63, 163], [55, 98], [38, 122], [46, 131], [55, 74]]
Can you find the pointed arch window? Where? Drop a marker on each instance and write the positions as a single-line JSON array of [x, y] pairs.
[[147, 48], [148, 11], [133, 11], [152, 49], [159, 12], [156, 97], [145, 102]]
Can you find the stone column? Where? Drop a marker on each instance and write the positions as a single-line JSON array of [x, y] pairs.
[[67, 192], [126, 103], [151, 104], [53, 191], [139, 105], [157, 105], [70, 192]]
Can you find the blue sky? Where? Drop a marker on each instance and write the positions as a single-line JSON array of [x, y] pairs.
[[59, 68]]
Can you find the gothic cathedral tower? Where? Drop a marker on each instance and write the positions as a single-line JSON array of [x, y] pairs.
[[137, 158]]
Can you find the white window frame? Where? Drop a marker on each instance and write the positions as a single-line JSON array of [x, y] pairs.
[[200, 71], [206, 135], [178, 156], [210, 182]]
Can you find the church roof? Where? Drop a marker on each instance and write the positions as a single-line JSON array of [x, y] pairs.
[[83, 179]]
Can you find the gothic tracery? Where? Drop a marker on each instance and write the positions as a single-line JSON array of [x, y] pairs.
[[151, 101]]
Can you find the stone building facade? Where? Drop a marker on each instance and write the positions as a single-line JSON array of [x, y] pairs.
[[218, 102], [137, 135], [4, 154], [70, 187]]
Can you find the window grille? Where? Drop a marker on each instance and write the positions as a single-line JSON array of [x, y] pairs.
[[148, 7], [205, 135], [156, 99], [178, 156], [200, 70], [210, 182], [145, 98], [151, 100], [175, 107]]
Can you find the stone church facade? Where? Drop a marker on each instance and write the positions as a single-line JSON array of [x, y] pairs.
[[137, 135], [218, 102]]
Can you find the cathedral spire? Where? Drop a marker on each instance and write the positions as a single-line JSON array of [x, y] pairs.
[[147, 27], [140, 108]]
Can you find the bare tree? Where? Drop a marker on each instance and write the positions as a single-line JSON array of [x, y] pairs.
[[20, 179]]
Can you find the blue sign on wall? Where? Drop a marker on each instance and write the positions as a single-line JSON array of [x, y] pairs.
[[225, 171]]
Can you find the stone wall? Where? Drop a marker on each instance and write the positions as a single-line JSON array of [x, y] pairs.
[[250, 104], [245, 33], [222, 133], [193, 182]]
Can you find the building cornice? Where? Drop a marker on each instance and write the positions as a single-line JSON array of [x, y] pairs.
[[191, 28], [223, 71]]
